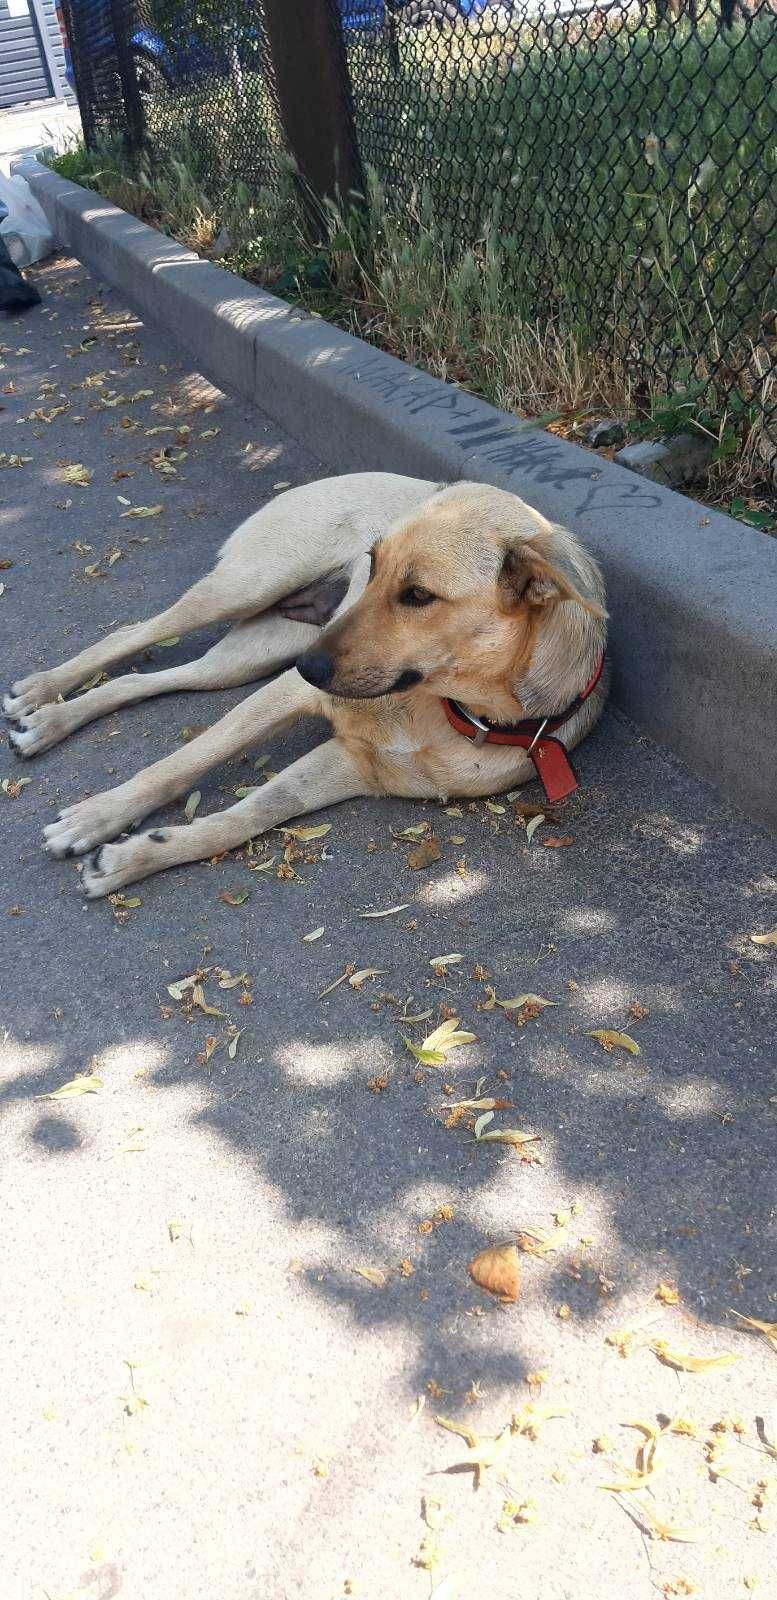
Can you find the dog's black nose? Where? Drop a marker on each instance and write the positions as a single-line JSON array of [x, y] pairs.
[[316, 667]]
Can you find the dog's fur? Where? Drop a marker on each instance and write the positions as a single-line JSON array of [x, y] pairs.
[[515, 629]]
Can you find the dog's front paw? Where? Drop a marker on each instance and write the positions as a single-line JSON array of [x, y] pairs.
[[79, 828], [36, 731], [114, 865], [29, 693]]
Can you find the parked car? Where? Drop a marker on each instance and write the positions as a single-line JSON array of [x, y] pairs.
[[161, 64]]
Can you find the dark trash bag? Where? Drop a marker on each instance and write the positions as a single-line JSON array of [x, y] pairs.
[[15, 293]]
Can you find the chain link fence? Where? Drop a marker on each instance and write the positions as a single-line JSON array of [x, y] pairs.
[[623, 153]]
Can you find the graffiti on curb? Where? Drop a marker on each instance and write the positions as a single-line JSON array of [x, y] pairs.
[[517, 447]]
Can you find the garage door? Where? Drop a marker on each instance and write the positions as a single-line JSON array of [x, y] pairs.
[[23, 71]]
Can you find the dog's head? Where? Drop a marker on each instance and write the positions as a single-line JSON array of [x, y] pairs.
[[474, 596]]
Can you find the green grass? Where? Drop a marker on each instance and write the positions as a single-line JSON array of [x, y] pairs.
[[564, 218], [631, 170]]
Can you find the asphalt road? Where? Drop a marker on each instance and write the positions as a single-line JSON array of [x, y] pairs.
[[202, 1395]]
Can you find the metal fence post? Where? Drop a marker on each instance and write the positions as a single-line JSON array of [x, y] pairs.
[[314, 96], [125, 66], [82, 73]]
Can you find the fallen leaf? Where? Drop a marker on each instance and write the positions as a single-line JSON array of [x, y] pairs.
[[496, 1269], [433, 1050], [236, 898], [390, 912], [143, 511], [227, 981], [532, 826], [670, 1532], [179, 988], [764, 938], [305, 834], [683, 1362], [373, 1275], [309, 938], [425, 853], [192, 804], [487, 1104], [124, 902], [768, 1329], [518, 1002], [490, 1452], [557, 842], [445, 961], [513, 1136], [198, 1000], [13, 786], [667, 1294], [540, 1241], [233, 1044], [88, 1083], [609, 1039], [356, 979], [416, 831], [77, 473]]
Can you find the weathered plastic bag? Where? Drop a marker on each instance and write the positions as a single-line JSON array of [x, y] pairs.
[[24, 228]]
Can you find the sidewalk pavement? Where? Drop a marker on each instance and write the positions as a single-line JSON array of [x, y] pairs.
[[27, 129], [235, 1285]]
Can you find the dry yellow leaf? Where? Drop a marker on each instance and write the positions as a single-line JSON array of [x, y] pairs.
[[496, 1269], [435, 1047], [764, 938], [356, 979], [373, 1276], [675, 1533], [391, 911], [683, 1362], [192, 804], [667, 1294], [179, 988], [425, 854], [768, 1329], [144, 511], [609, 1040], [198, 999], [513, 1136], [77, 473], [540, 1241], [305, 834], [87, 1083], [310, 938]]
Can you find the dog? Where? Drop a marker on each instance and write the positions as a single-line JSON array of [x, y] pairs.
[[462, 652]]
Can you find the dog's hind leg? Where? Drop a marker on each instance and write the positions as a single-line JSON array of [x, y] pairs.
[[80, 827], [250, 650], [215, 598], [323, 777]]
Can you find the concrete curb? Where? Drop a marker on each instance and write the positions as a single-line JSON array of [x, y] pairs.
[[692, 594]]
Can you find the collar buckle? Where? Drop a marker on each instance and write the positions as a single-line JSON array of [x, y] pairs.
[[483, 728], [538, 735]]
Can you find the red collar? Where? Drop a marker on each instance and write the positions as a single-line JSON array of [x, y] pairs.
[[534, 735]]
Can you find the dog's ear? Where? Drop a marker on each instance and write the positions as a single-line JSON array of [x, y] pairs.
[[526, 578]]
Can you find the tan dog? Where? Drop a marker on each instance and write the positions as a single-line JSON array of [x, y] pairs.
[[457, 593]]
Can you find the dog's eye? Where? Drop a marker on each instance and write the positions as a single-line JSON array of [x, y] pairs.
[[415, 596]]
